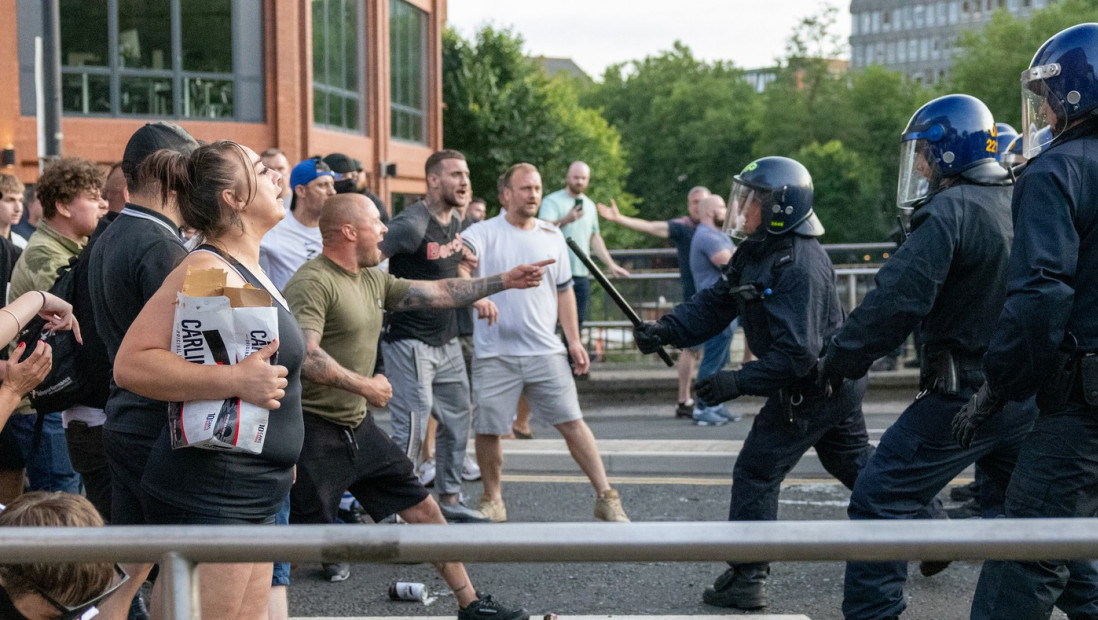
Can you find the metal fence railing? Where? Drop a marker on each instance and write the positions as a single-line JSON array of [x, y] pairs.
[[178, 548], [655, 288]]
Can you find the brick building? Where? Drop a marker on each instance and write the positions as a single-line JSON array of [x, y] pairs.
[[361, 77]]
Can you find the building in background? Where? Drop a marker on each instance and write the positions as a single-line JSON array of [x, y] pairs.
[[362, 77], [917, 37]]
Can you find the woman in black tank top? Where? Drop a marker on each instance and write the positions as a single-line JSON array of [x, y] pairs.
[[232, 200]]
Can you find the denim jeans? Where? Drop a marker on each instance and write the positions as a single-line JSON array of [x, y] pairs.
[[715, 355], [48, 465]]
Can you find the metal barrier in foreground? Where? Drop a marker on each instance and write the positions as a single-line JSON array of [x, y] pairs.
[[178, 548]]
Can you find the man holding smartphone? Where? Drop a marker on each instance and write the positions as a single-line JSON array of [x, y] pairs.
[[574, 213]]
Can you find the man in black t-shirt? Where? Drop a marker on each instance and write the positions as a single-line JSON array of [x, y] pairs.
[[422, 353], [127, 264]]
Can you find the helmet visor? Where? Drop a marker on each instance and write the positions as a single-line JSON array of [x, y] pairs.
[[741, 202], [913, 184], [1043, 117]]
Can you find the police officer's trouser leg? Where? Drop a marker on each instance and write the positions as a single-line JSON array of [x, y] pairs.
[[915, 459], [1056, 476], [774, 446]]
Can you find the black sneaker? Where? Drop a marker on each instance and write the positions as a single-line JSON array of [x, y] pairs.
[[967, 510], [739, 591], [337, 572], [965, 493], [138, 610], [929, 568], [485, 608], [460, 513], [685, 410]]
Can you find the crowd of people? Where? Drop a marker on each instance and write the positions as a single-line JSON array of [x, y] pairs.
[[464, 326]]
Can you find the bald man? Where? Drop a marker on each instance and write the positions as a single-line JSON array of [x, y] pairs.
[[574, 213], [343, 447], [680, 232], [710, 250]]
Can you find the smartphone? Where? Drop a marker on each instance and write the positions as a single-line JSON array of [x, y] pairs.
[[579, 204]]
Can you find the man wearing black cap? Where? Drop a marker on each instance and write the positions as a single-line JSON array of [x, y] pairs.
[[350, 177], [126, 265]]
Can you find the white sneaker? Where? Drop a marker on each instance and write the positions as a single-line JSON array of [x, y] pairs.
[[427, 473], [470, 471]]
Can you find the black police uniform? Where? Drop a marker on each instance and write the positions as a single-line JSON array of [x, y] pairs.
[[947, 278], [1049, 323], [789, 307]]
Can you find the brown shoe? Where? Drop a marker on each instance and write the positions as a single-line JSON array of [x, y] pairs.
[[494, 509], [608, 507]]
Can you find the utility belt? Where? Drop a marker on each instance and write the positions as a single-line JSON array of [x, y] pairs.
[[1074, 380], [950, 373]]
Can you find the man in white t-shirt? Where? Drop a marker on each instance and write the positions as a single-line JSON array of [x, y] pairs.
[[296, 238], [519, 350]]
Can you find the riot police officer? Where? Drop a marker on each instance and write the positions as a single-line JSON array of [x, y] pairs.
[[1045, 340], [781, 285], [946, 279]]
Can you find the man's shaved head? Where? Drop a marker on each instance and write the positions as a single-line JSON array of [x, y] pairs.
[[343, 209]]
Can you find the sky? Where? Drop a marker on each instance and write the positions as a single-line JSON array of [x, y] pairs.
[[597, 33]]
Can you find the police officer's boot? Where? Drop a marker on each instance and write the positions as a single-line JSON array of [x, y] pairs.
[[743, 586]]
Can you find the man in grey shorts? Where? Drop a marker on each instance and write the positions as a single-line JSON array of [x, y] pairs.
[[518, 350], [422, 353]]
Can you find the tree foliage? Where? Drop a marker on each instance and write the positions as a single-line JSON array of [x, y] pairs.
[[683, 123], [845, 187], [989, 62], [501, 109]]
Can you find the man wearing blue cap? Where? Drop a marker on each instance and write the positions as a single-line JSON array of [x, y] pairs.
[[296, 238]]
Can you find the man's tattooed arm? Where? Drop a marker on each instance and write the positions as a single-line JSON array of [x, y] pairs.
[[451, 293], [319, 367]]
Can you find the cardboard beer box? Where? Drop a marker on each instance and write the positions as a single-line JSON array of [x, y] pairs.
[[218, 324]]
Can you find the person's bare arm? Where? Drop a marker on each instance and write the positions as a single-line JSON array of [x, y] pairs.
[[569, 324], [461, 291], [720, 259], [146, 365], [599, 247], [612, 213], [319, 367]]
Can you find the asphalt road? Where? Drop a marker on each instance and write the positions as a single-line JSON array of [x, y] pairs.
[[809, 589]]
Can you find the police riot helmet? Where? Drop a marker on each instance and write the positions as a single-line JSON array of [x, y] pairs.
[[781, 190], [1060, 85], [1004, 135], [944, 138]]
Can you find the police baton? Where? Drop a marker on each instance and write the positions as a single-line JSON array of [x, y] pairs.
[[613, 293]]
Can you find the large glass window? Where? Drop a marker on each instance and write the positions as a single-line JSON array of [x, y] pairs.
[[408, 58], [337, 61], [162, 58]]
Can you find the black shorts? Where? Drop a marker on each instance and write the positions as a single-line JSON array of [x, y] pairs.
[[361, 460], [127, 454], [11, 456]]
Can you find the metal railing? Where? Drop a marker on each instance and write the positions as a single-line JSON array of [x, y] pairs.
[[179, 548], [655, 288]]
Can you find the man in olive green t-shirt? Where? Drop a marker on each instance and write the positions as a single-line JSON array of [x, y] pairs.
[[338, 299]]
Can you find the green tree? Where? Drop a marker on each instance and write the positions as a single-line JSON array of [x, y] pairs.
[[845, 187], [683, 123], [501, 109], [988, 63]]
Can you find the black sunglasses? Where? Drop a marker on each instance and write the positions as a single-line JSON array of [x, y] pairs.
[[81, 611]]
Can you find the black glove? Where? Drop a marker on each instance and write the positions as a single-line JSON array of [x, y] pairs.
[[976, 411], [718, 388], [650, 336]]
